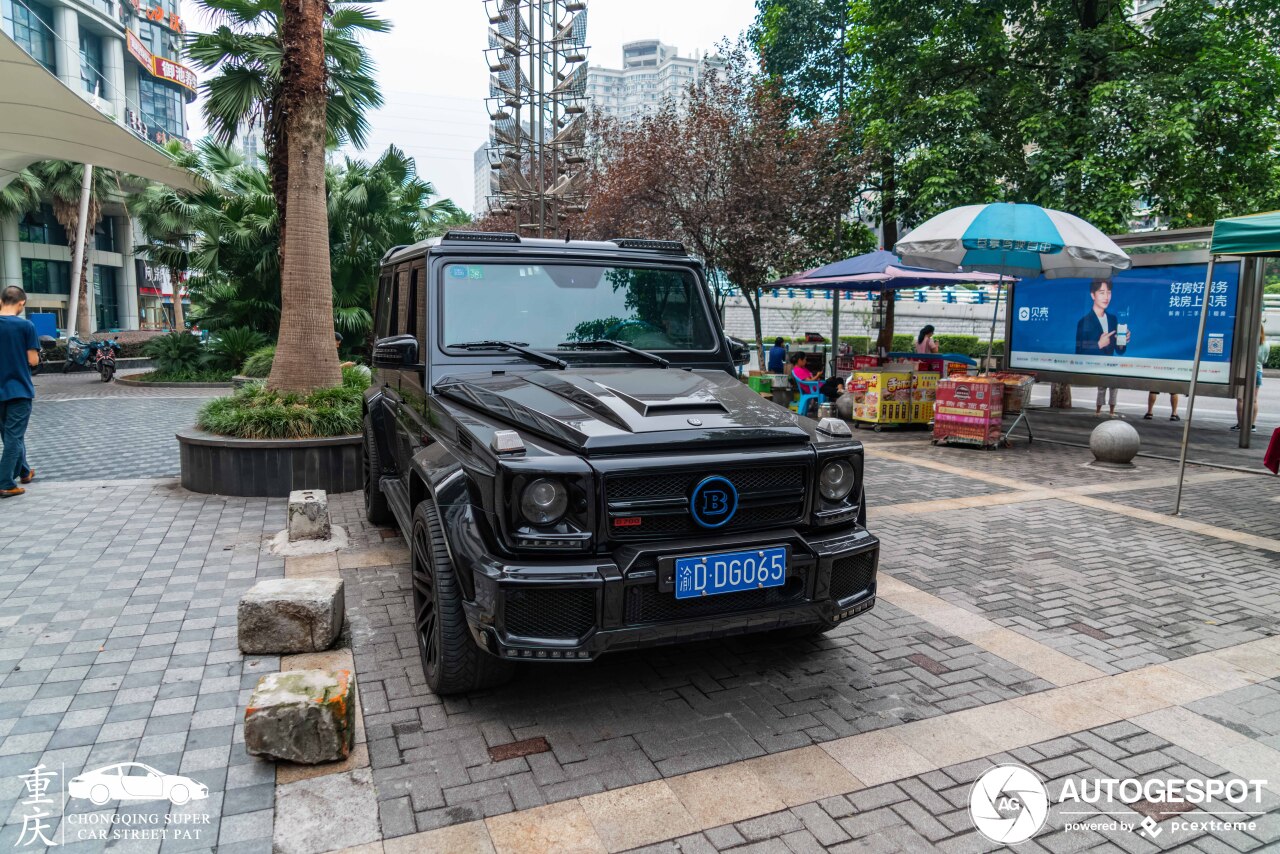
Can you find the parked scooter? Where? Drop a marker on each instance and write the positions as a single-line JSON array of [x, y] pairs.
[[104, 359], [96, 355]]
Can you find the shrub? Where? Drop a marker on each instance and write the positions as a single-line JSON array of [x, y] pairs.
[[233, 346], [859, 344], [176, 353], [903, 343], [253, 412], [1273, 361], [258, 365], [966, 344]]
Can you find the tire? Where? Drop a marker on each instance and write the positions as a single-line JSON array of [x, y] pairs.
[[66, 365], [179, 795], [376, 508], [107, 372], [99, 794], [452, 662]]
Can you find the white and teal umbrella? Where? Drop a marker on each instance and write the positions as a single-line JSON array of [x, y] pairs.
[[1014, 240]]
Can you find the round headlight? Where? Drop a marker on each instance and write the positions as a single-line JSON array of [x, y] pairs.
[[544, 501], [835, 480]]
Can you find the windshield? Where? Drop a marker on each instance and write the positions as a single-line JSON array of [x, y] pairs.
[[546, 306]]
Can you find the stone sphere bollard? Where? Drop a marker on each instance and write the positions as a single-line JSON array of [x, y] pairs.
[[844, 406], [1114, 444]]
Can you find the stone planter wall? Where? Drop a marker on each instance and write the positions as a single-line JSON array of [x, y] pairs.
[[268, 468]]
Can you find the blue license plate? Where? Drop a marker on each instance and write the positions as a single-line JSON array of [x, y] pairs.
[[730, 572]]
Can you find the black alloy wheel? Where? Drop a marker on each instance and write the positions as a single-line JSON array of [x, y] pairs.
[[451, 661]]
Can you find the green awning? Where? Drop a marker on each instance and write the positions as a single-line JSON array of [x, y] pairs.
[[1257, 234]]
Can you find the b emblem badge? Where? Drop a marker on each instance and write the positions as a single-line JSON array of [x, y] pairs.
[[713, 502]]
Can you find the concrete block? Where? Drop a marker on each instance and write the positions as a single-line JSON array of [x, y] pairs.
[[289, 615], [308, 515], [305, 716]]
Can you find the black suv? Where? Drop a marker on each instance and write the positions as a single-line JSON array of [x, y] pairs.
[[558, 430]]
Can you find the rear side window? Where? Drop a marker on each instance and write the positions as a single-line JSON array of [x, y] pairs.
[[403, 298], [385, 307], [417, 306]]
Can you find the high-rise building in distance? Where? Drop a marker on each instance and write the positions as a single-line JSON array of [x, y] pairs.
[[651, 73]]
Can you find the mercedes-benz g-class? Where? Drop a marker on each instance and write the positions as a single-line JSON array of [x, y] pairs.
[[558, 431]]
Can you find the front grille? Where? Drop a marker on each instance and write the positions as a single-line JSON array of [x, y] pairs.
[[564, 613], [853, 574], [646, 604], [768, 496]]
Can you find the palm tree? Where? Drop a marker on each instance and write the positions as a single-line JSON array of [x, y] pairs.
[[21, 195], [305, 359], [245, 50]]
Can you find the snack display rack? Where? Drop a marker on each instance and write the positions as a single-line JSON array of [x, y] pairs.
[[969, 411], [1017, 397], [895, 394]]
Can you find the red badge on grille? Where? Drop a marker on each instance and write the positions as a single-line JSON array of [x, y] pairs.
[[627, 521]]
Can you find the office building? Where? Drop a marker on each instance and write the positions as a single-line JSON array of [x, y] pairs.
[[651, 73], [124, 56], [486, 180]]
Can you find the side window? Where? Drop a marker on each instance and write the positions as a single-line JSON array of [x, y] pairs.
[[418, 285], [403, 297], [385, 307]]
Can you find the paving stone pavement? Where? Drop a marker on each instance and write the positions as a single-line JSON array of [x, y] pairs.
[[930, 812], [1114, 592], [108, 438], [639, 716], [892, 482], [1218, 504], [118, 643]]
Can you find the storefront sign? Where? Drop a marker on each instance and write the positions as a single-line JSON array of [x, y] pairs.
[[158, 15], [139, 50], [1151, 316], [174, 72]]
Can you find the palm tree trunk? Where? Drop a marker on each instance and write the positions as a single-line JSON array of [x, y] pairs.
[[84, 328], [179, 322], [305, 356]]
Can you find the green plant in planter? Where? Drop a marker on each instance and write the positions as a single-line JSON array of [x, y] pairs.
[[233, 346], [258, 365], [254, 412], [176, 353]]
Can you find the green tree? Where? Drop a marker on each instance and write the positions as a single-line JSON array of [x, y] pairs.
[[245, 52]]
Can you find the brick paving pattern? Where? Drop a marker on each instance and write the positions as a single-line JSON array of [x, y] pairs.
[[1218, 504], [118, 644], [108, 438], [893, 482], [639, 716], [1113, 592], [929, 812]]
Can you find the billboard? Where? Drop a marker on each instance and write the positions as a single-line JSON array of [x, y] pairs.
[[1144, 325]]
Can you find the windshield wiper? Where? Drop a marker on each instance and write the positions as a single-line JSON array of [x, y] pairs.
[[606, 342], [514, 347]]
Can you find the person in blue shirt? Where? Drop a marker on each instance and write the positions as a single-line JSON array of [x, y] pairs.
[[19, 353], [777, 356]]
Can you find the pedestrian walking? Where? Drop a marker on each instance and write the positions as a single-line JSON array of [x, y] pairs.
[[1264, 352], [19, 353], [1102, 398]]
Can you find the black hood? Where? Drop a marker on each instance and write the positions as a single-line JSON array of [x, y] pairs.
[[615, 410]]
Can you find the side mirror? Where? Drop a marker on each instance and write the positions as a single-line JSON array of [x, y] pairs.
[[739, 351], [398, 351]]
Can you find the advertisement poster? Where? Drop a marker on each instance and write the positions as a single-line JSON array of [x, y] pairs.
[[1140, 323]]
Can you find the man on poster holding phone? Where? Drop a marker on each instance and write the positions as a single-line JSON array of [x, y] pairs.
[[1098, 333]]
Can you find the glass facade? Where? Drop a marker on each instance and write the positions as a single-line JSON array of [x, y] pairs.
[[159, 40], [46, 277], [104, 236], [31, 25], [41, 227], [105, 296], [162, 106], [91, 66]]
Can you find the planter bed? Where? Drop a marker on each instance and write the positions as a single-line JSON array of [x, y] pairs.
[[134, 382], [268, 468]]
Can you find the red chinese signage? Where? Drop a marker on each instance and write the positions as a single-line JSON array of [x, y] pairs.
[[138, 50], [158, 15], [175, 72]]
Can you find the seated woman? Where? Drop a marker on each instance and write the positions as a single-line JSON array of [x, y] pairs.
[[800, 368], [831, 388]]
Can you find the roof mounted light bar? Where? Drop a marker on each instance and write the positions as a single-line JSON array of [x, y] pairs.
[[480, 237], [393, 250], [670, 247]]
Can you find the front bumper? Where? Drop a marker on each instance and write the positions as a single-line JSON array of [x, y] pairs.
[[579, 609]]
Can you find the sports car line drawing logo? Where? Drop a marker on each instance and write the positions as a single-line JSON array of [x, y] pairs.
[[133, 781]]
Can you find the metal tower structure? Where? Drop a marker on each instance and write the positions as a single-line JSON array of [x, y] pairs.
[[537, 102]]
